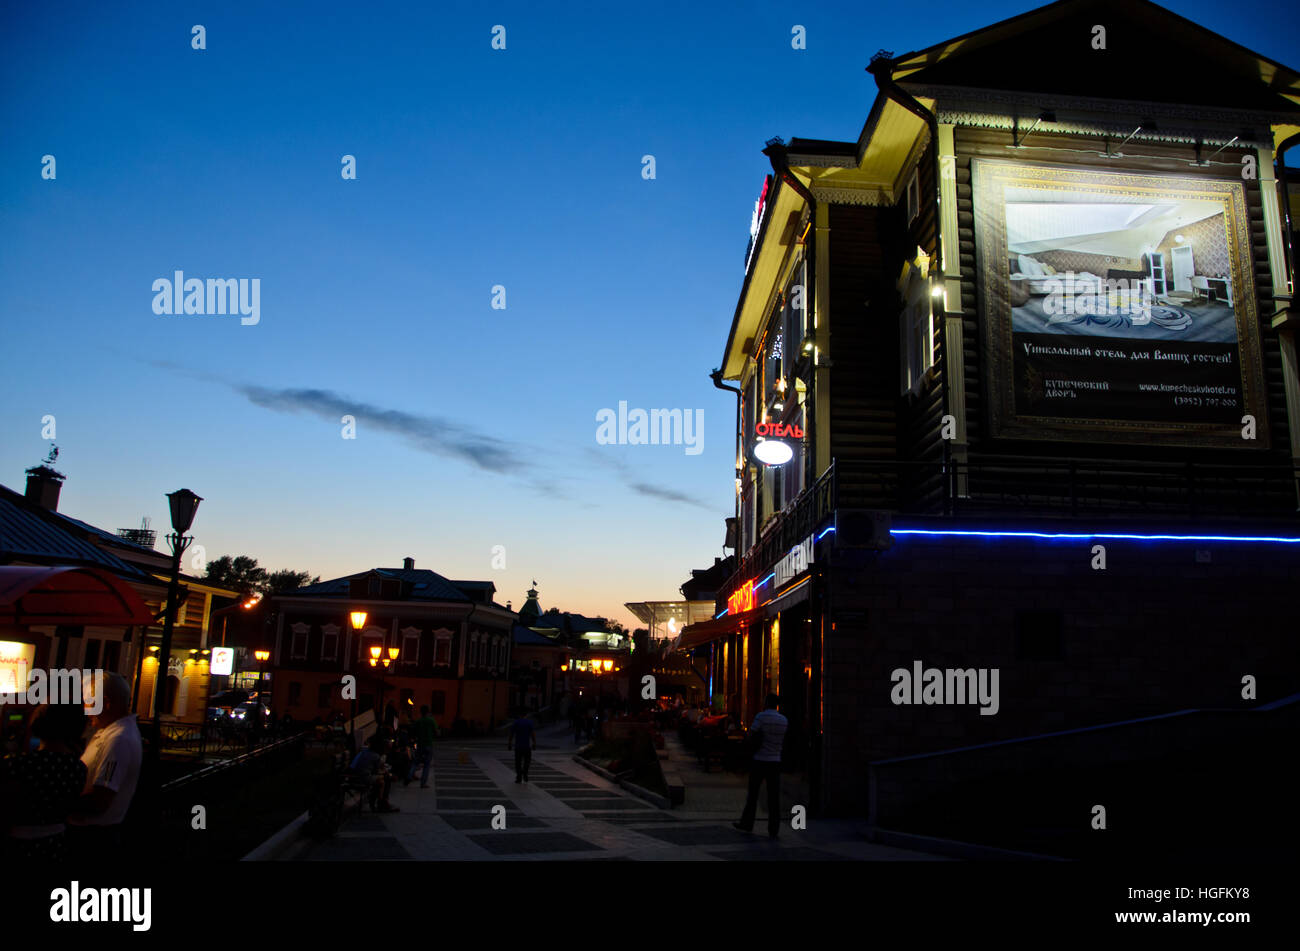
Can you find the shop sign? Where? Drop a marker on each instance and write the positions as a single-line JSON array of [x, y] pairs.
[[795, 563], [778, 431], [223, 661], [742, 599], [16, 658]]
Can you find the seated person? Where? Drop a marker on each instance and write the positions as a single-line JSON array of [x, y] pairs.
[[370, 763]]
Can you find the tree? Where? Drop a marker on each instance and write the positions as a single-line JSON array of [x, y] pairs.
[[287, 580], [240, 573]]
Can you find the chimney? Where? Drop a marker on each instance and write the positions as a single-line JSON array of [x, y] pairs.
[[44, 486], [408, 564]]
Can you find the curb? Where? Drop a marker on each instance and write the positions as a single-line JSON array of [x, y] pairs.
[[273, 849], [954, 848], [640, 792]]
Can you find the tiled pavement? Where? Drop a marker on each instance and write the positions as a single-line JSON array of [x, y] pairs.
[[566, 812]]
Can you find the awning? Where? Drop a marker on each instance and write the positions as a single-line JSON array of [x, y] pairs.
[[67, 595], [700, 633]]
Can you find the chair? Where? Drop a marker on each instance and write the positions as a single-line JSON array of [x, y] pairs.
[[1200, 284]]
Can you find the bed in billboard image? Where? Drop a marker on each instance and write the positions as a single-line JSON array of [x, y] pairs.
[[1118, 306]]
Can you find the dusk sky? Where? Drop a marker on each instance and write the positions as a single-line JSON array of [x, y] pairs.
[[475, 427]]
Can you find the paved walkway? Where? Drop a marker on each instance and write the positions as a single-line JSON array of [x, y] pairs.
[[566, 811]]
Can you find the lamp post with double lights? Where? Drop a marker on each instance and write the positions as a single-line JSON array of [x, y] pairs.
[[184, 506], [382, 663]]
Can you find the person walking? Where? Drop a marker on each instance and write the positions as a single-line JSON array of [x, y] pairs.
[[424, 731], [523, 737], [770, 727]]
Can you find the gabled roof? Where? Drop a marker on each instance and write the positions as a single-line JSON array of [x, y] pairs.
[[1151, 54], [423, 585], [28, 532]]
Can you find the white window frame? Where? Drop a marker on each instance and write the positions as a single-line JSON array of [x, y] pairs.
[[299, 630], [916, 350], [410, 657], [329, 635], [912, 197], [440, 637]]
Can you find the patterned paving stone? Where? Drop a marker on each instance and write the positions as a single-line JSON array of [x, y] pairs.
[[471, 823], [699, 835], [529, 843], [776, 853], [474, 805], [372, 848]]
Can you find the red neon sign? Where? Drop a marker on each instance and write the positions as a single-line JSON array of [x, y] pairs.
[[742, 599], [777, 430]]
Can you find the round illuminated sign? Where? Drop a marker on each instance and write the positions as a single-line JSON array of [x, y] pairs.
[[773, 452]]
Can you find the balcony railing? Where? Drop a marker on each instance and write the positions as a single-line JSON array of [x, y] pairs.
[[1028, 488]]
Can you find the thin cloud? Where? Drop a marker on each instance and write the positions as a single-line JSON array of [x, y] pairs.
[[432, 434], [629, 478]]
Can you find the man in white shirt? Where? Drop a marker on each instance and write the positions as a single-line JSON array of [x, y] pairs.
[[771, 727], [112, 760]]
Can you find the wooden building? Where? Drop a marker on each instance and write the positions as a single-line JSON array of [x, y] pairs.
[[1017, 391]]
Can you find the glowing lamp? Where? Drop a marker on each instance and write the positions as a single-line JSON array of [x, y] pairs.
[[609, 665], [393, 652], [262, 656], [773, 452]]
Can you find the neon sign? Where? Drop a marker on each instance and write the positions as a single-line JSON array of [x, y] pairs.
[[778, 431], [742, 599]]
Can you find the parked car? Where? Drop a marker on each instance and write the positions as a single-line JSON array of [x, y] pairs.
[[247, 713]]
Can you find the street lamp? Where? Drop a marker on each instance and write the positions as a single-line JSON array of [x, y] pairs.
[[184, 505], [262, 657], [383, 663], [358, 624]]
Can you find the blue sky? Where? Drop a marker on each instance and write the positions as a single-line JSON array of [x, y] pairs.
[[475, 168]]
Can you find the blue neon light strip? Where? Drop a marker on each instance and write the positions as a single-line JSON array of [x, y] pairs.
[[724, 611], [825, 533], [1176, 538], [765, 581]]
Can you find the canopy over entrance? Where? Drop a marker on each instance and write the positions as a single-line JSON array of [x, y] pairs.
[[67, 595]]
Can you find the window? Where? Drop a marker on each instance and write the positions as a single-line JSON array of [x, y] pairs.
[[324, 694], [90, 660], [912, 198], [329, 642], [410, 646], [298, 648], [473, 650], [442, 648], [295, 693], [112, 655], [916, 332], [371, 638]]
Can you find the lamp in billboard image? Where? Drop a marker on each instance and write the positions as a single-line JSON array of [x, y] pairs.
[[773, 452]]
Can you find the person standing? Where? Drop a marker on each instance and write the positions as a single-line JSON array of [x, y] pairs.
[[424, 730], [39, 789], [523, 737], [770, 726], [112, 760]]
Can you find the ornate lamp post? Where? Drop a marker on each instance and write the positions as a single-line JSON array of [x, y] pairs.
[[184, 505]]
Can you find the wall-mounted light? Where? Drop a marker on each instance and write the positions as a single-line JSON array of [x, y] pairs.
[[773, 452], [1179, 238]]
